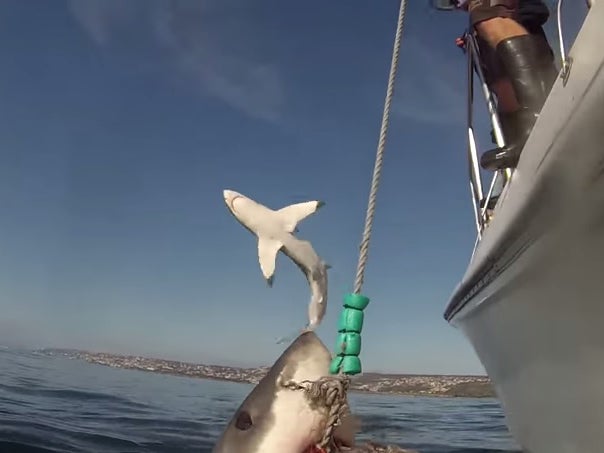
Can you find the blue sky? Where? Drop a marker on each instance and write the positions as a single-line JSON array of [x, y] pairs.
[[121, 123]]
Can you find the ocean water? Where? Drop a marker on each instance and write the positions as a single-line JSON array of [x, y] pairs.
[[53, 404]]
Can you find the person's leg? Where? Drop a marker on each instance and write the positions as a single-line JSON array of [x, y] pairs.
[[512, 117], [516, 122], [496, 78], [495, 20], [496, 29], [518, 59], [506, 96], [500, 83]]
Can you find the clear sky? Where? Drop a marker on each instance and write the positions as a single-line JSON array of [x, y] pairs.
[[122, 122]]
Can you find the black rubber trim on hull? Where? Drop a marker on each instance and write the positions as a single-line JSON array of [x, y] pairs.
[[526, 227], [492, 268]]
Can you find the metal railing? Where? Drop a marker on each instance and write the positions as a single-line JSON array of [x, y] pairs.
[[566, 61], [480, 202]]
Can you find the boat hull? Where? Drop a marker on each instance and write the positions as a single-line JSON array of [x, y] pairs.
[[532, 301]]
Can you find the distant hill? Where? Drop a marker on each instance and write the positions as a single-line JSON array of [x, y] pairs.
[[400, 384]]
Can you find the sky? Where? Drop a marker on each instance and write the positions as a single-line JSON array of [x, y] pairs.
[[122, 122]]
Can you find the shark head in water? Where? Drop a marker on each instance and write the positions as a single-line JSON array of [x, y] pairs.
[[276, 419]]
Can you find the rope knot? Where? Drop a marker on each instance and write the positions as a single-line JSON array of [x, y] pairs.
[[328, 392]]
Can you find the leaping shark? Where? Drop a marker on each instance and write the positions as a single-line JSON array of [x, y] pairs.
[[274, 230]]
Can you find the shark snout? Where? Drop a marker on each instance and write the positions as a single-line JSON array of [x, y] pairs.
[[229, 194], [229, 197]]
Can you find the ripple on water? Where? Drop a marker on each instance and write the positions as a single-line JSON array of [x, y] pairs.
[[51, 404]]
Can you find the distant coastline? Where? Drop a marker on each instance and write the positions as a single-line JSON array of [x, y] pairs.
[[393, 384]]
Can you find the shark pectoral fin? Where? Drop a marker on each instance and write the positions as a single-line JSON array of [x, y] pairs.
[[295, 213], [267, 256]]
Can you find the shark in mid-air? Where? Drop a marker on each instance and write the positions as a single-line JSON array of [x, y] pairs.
[[275, 232]]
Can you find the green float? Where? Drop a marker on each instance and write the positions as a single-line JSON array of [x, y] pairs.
[[348, 345]]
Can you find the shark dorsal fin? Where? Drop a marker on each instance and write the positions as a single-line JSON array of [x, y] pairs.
[[295, 213], [267, 256]]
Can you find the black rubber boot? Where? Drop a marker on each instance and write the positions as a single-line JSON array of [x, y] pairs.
[[529, 63], [516, 127]]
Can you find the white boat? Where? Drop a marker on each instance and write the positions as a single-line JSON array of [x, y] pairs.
[[531, 302]]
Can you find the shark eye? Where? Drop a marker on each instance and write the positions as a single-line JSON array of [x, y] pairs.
[[244, 421]]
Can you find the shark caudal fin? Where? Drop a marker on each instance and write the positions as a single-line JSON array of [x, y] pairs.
[[295, 213]]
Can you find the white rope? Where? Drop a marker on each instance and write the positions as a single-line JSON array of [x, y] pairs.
[[377, 170], [377, 448], [331, 391]]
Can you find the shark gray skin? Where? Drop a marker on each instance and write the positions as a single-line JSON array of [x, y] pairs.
[[274, 230], [275, 419]]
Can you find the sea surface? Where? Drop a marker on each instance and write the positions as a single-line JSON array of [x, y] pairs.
[[54, 404]]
